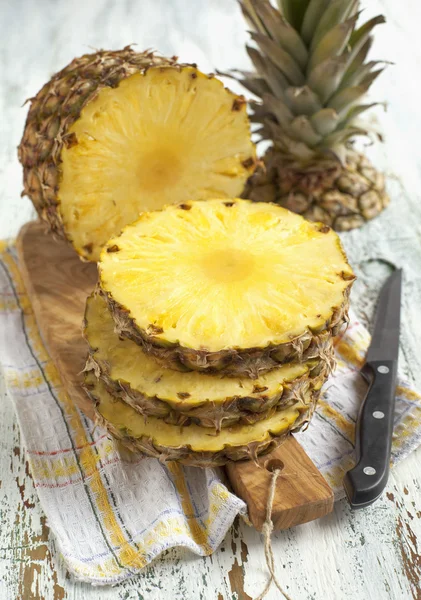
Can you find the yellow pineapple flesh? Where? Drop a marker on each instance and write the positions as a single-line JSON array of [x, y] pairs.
[[209, 283]]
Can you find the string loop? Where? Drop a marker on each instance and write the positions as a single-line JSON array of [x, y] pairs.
[[267, 530]]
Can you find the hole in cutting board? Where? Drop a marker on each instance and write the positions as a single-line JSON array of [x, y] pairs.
[[273, 464]]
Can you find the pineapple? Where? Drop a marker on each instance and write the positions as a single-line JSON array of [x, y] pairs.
[[116, 133], [311, 76], [183, 398], [227, 285], [193, 444]]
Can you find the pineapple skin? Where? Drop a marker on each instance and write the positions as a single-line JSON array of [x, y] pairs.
[[249, 362], [236, 410], [257, 402], [343, 197], [56, 107], [154, 446]]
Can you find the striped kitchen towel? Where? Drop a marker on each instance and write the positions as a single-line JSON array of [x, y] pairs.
[[111, 516]]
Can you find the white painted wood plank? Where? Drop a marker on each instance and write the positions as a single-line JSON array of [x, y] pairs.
[[368, 554]]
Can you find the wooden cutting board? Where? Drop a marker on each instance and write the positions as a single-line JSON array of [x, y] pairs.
[[57, 283]]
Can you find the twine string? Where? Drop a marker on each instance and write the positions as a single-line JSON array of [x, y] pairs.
[[267, 530]]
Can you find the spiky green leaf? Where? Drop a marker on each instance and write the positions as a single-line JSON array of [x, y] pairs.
[[280, 58], [293, 11], [282, 113], [332, 43], [281, 31], [312, 17], [303, 131], [255, 85], [302, 100], [344, 99], [359, 75], [250, 15], [360, 36], [355, 61], [341, 136], [325, 121], [292, 149], [273, 77], [354, 112], [326, 77], [360, 43], [368, 79], [336, 12], [339, 151]]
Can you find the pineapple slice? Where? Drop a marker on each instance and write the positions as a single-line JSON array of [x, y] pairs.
[[118, 133], [178, 398], [222, 284], [192, 444]]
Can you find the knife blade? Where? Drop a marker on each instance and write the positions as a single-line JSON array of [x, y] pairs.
[[365, 482]]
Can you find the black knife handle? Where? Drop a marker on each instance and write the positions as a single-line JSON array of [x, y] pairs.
[[367, 480]]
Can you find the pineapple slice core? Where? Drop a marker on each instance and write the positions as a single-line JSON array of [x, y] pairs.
[[160, 168], [226, 274], [167, 136], [223, 266]]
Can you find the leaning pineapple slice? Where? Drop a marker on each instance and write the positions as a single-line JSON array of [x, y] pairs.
[[116, 133], [194, 445], [183, 398], [226, 285]]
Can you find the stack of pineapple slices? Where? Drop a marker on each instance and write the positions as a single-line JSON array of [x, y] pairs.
[[210, 332]]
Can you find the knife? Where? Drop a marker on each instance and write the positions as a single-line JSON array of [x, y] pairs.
[[366, 481]]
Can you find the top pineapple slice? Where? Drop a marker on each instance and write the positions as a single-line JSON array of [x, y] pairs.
[[208, 284], [116, 133]]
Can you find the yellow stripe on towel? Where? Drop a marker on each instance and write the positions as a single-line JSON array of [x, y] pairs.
[[127, 555]]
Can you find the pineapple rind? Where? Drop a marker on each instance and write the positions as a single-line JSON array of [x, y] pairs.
[[51, 134], [208, 400], [238, 348], [344, 197], [192, 445]]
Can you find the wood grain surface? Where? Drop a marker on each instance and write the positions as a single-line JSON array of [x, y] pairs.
[[373, 553], [58, 283], [301, 493]]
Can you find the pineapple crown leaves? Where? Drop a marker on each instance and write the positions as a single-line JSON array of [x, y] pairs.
[[311, 75]]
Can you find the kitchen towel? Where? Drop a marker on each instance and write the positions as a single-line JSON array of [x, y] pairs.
[[111, 516]]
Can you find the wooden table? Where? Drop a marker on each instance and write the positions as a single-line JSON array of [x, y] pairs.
[[374, 553]]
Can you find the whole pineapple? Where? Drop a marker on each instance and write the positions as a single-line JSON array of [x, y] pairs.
[[312, 76], [118, 132]]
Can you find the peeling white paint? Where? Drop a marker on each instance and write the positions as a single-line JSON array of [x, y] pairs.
[[370, 554]]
